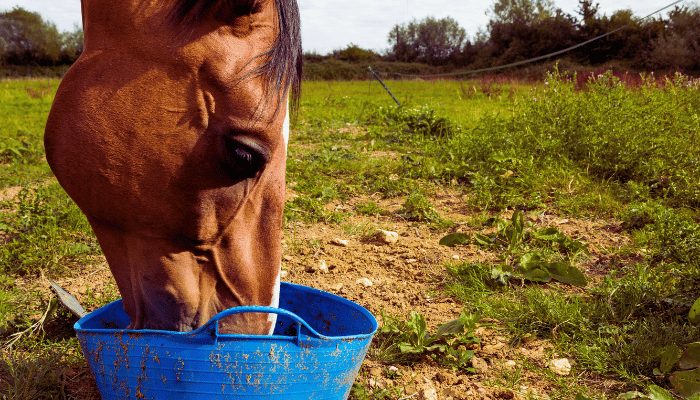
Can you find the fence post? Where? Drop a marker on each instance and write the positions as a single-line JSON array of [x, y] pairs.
[[385, 88]]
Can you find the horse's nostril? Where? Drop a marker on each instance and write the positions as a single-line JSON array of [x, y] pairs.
[[244, 157]]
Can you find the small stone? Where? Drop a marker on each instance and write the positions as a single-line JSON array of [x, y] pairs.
[[560, 366], [378, 383], [479, 364], [427, 392], [456, 256], [410, 389], [492, 349], [339, 242], [336, 287], [375, 371], [284, 274], [288, 258], [393, 369], [446, 378], [364, 282], [504, 394], [320, 266], [510, 364], [387, 237]]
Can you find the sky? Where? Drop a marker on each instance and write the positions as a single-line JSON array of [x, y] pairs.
[[329, 25]]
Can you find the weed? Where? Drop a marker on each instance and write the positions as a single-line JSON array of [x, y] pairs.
[[46, 232], [522, 259], [408, 342], [310, 210], [418, 208], [27, 377], [421, 121], [370, 208], [364, 392]]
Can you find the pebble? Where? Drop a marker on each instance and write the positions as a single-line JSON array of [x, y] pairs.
[[446, 378], [377, 383], [336, 287], [560, 366], [364, 282], [320, 266], [493, 349], [339, 242], [387, 237], [284, 274], [479, 364], [428, 392]]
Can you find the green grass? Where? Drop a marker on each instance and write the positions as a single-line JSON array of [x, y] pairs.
[[605, 152], [608, 151], [24, 106]]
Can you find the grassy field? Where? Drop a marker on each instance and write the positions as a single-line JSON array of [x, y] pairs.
[[625, 158]]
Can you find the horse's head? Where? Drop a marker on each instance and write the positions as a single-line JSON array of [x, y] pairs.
[[170, 134]]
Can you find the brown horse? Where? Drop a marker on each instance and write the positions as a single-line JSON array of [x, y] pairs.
[[170, 134]]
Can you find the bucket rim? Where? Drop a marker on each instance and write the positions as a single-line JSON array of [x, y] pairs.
[[211, 327]]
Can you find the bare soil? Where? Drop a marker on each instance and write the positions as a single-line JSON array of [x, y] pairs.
[[410, 275]]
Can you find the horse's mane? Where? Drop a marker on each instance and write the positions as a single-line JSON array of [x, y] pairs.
[[282, 67]]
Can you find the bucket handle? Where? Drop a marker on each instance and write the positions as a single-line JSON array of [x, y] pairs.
[[212, 327]]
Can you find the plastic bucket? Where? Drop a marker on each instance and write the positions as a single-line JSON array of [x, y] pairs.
[[315, 352]]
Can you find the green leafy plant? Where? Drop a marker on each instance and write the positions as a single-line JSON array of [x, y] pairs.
[[422, 121], [523, 259], [409, 341], [685, 364], [418, 208], [365, 392], [370, 208]]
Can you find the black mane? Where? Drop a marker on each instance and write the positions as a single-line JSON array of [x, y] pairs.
[[283, 66]]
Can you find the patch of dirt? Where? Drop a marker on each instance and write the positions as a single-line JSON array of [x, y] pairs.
[[410, 275], [9, 193]]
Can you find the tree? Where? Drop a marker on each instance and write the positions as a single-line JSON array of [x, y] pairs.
[[355, 54], [26, 39], [679, 45], [432, 41], [521, 12], [72, 44], [521, 29]]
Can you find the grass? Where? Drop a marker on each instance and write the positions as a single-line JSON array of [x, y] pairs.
[[24, 105], [608, 151]]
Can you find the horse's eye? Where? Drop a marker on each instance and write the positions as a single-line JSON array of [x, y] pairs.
[[243, 159]]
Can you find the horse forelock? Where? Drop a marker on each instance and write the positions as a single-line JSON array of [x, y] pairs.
[[283, 65]]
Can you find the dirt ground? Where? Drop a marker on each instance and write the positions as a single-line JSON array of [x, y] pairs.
[[409, 275]]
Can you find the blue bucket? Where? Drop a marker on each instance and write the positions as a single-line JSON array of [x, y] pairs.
[[318, 346]]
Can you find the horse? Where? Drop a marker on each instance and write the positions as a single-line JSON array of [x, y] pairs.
[[170, 134]]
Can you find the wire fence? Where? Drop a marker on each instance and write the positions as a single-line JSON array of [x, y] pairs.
[[518, 63]]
